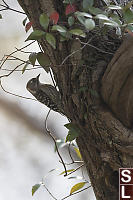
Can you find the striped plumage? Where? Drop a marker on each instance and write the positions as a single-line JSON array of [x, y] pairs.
[[45, 93]]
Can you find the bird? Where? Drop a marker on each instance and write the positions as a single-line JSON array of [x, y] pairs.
[[46, 94]]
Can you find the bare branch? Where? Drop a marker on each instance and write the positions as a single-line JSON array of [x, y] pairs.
[[20, 70], [76, 50], [69, 151], [15, 52], [7, 7], [15, 94], [5, 3], [6, 75], [76, 169], [65, 196], [48, 191], [76, 192], [95, 47], [54, 139], [75, 162]]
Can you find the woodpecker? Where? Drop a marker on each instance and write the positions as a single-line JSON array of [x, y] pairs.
[[46, 94]]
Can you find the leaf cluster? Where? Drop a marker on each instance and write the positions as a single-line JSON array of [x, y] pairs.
[[82, 19]]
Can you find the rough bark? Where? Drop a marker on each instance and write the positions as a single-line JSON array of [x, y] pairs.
[[104, 120]]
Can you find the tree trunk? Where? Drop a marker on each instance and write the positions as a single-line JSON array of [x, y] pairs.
[[96, 88]]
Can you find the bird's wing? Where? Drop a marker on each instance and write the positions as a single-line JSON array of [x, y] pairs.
[[50, 91], [54, 95]]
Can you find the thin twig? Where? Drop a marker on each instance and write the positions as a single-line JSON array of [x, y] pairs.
[[15, 94], [10, 59], [54, 140], [65, 196], [49, 191], [69, 151], [76, 51], [76, 169], [15, 52], [2, 9], [6, 75], [76, 192], [2, 59], [5, 3], [23, 51], [12, 9], [75, 162], [16, 58], [80, 49], [96, 48], [20, 70]]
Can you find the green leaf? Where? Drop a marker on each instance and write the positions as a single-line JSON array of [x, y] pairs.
[[130, 27], [36, 35], [111, 23], [24, 21], [115, 18], [73, 132], [69, 170], [87, 3], [52, 170], [84, 14], [95, 11], [114, 7], [118, 22], [62, 39], [35, 188], [128, 16], [32, 58], [43, 60], [101, 16], [66, 35], [76, 177], [76, 187], [0, 16], [61, 29], [81, 19], [72, 135], [51, 40], [44, 21], [77, 32], [89, 24], [25, 66], [78, 152], [69, 126], [70, 20]]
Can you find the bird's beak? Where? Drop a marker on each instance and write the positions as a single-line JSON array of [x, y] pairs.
[[37, 78]]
